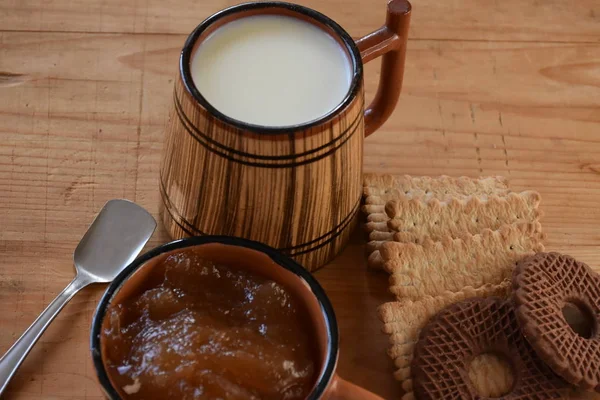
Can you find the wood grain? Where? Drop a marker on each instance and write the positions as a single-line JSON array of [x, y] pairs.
[[82, 119], [515, 20]]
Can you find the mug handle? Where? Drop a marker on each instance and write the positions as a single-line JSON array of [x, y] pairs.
[[390, 41], [341, 389]]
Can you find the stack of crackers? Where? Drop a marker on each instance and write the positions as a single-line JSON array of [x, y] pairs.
[[444, 240]]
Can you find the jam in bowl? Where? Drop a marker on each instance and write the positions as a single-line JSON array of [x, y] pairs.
[[217, 318]]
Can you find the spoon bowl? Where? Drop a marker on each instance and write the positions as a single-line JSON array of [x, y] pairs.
[[114, 239]]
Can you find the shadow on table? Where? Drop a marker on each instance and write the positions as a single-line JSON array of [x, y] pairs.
[[356, 292]]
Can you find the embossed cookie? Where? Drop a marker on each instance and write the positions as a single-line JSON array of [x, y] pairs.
[[432, 268], [543, 285], [436, 219], [379, 189], [467, 329], [426, 187], [403, 321]]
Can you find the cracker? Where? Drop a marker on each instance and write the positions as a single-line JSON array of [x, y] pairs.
[[379, 189], [403, 321], [432, 268], [426, 187], [455, 217]]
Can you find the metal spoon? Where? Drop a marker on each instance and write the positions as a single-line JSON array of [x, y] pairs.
[[113, 240]]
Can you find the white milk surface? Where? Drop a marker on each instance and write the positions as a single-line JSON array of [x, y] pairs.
[[271, 70]]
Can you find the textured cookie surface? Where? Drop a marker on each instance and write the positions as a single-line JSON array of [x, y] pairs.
[[543, 285], [432, 268], [379, 189], [425, 187], [437, 219], [467, 329], [403, 322]]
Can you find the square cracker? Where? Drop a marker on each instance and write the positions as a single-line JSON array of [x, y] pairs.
[[431, 268], [455, 217], [433, 220], [379, 189], [404, 320]]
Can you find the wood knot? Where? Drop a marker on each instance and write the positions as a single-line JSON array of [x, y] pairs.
[[595, 168], [9, 79]]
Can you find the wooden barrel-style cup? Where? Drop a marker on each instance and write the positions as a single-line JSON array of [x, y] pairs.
[[295, 188]]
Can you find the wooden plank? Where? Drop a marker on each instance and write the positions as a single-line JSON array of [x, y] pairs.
[[526, 111], [84, 123], [523, 20]]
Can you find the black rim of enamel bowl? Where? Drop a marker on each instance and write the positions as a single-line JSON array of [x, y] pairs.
[[277, 257], [351, 49]]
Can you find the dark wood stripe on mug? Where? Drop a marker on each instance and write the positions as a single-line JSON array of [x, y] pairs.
[[282, 165], [334, 236], [285, 251], [289, 252], [176, 218], [173, 212], [334, 205], [335, 231], [290, 200], [204, 175], [200, 136], [191, 228], [328, 237]]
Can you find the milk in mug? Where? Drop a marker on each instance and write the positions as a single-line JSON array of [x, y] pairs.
[[271, 70]]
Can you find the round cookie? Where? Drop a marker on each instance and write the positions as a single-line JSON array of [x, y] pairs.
[[542, 285], [461, 332]]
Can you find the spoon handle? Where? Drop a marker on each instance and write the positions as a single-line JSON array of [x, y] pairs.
[[10, 362]]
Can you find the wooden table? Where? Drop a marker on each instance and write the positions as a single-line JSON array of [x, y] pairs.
[[491, 87]]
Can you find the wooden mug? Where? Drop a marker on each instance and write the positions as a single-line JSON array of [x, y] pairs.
[[296, 188]]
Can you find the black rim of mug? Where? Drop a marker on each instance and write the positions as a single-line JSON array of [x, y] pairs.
[[280, 259], [352, 50]]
